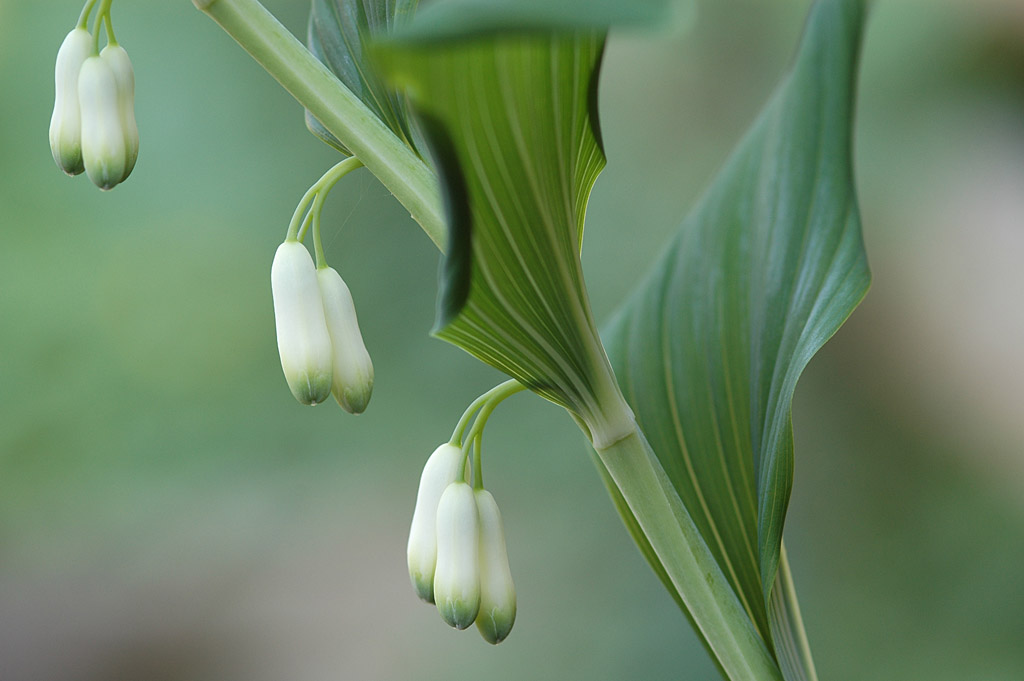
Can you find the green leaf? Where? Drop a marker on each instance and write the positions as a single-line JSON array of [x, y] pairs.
[[766, 268], [511, 126], [446, 19], [340, 33]]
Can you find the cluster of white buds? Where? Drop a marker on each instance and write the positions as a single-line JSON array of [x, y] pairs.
[[456, 553], [322, 350], [93, 124]]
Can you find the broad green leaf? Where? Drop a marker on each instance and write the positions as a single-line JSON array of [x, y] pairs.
[[340, 32], [512, 130], [766, 268], [444, 19]]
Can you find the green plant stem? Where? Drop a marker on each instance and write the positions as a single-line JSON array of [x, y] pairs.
[[461, 476], [788, 591], [341, 112], [83, 19], [460, 427], [111, 38], [478, 470], [318, 244], [320, 187], [306, 222], [297, 222], [102, 14], [492, 397], [333, 176], [687, 562]]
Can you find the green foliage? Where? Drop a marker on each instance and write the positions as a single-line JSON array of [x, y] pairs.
[[709, 349], [511, 128], [340, 34], [458, 19]]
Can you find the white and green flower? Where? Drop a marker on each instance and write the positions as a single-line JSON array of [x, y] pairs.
[[497, 592], [104, 145], [66, 122], [457, 577], [441, 470], [352, 369], [119, 62], [303, 340]]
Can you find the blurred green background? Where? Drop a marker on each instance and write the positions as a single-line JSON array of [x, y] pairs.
[[168, 511]]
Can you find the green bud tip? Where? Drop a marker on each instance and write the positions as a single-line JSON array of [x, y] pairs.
[[457, 576]]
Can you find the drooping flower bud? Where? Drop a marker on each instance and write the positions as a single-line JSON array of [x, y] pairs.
[[104, 144], [121, 65], [439, 472], [497, 592], [302, 337], [457, 578], [353, 370], [66, 122]]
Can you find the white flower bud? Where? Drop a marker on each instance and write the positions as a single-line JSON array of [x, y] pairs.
[[457, 578], [353, 370], [497, 592], [302, 337], [104, 145], [117, 58], [440, 471], [66, 122]]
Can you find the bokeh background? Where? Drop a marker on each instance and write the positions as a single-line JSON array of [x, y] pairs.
[[168, 512]]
